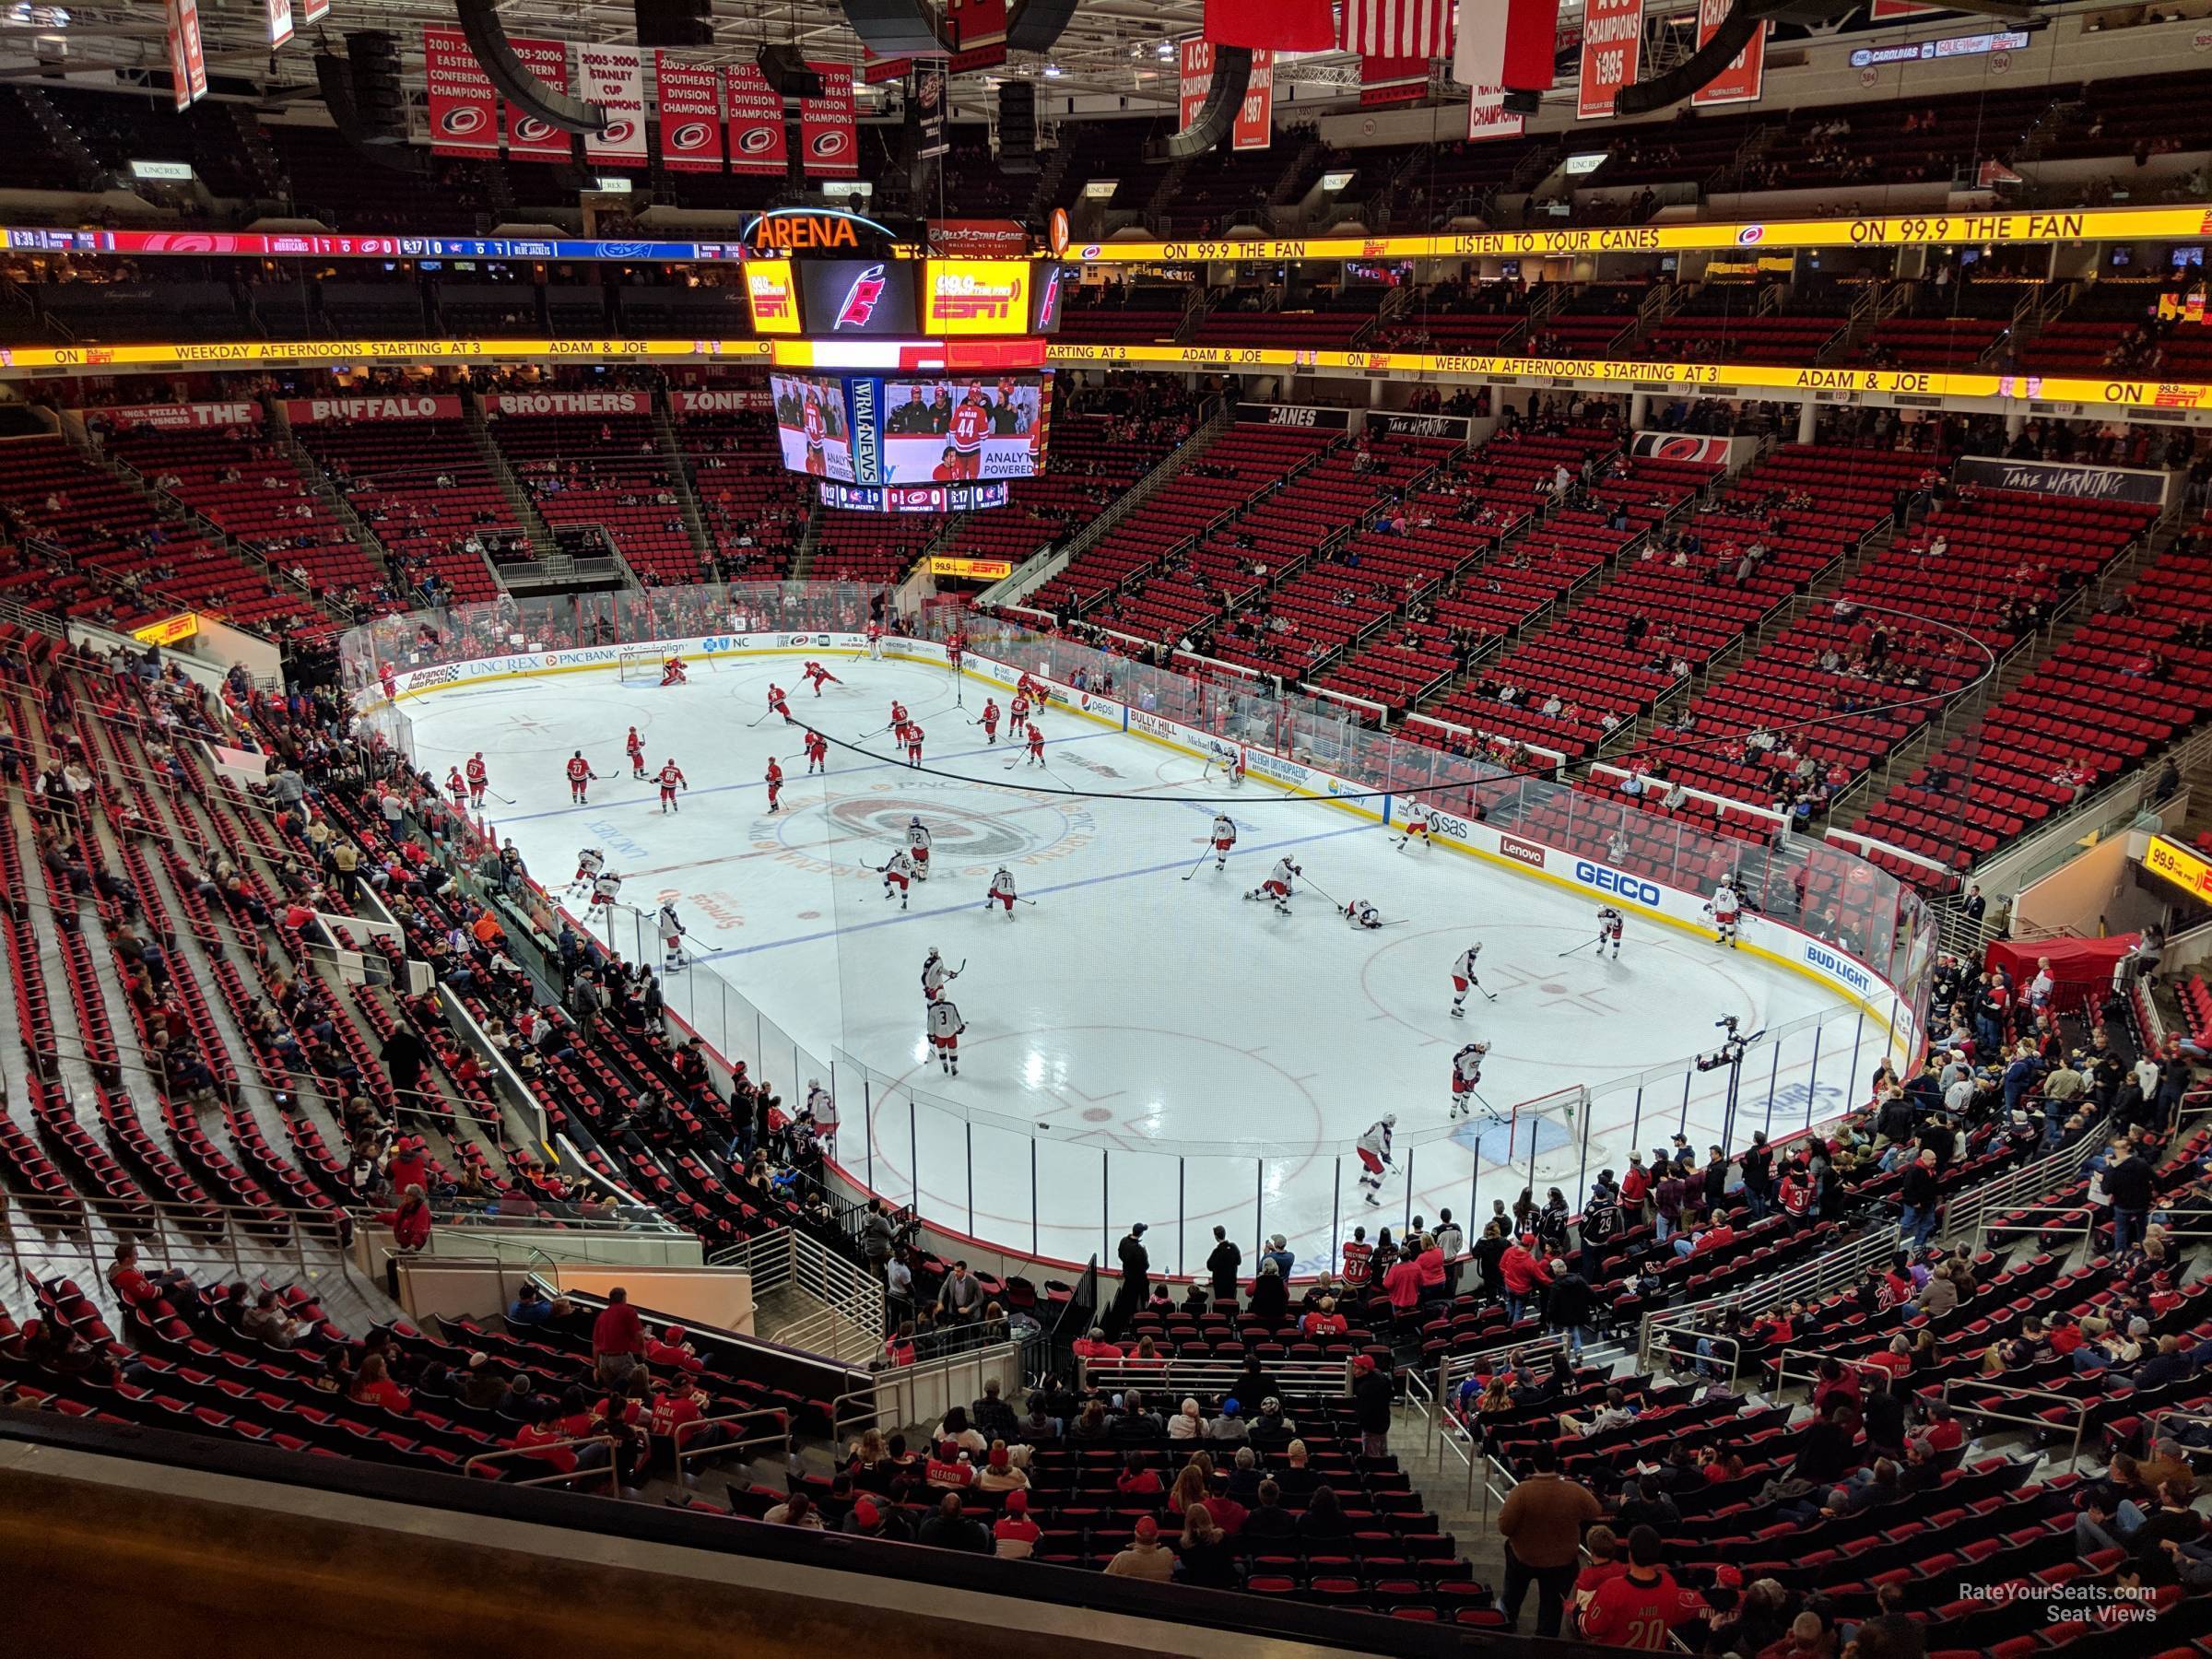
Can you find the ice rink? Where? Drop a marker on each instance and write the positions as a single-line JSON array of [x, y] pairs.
[[1139, 1046]]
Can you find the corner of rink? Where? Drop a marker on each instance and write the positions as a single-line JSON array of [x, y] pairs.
[[1141, 1039]]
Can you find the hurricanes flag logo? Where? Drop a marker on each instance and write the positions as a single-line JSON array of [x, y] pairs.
[[861, 300]]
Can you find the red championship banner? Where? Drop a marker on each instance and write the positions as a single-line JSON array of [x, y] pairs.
[[690, 98], [757, 141], [1197, 68], [280, 23], [829, 139], [187, 58], [979, 34], [1612, 55], [317, 411], [464, 119], [528, 138], [314, 11], [1255, 116], [1746, 77], [1388, 80], [876, 70], [614, 76]]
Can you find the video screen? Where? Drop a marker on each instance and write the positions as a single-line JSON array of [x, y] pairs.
[[873, 298], [952, 429], [810, 426]]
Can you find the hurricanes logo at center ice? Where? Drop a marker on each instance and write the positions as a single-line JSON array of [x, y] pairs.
[[860, 825]]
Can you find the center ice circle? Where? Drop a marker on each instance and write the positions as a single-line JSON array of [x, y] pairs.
[[959, 833]]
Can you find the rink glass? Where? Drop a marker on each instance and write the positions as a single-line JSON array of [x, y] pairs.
[[923, 1148]]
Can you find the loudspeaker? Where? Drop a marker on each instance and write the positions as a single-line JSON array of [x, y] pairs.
[[1037, 26], [1232, 75], [488, 39], [675, 22], [1017, 126], [1734, 34], [380, 101], [892, 29], [785, 68], [334, 75]]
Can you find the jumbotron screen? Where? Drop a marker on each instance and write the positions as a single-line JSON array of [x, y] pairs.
[[874, 430]]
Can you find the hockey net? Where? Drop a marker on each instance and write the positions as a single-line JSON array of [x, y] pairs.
[[1555, 1125], [635, 663]]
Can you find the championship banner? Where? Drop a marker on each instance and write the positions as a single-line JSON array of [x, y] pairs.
[[1255, 116], [1612, 55], [829, 138], [570, 403], [757, 141], [1488, 118], [528, 138], [1745, 77], [280, 23], [875, 71], [1197, 74], [463, 113], [317, 411], [978, 28], [1388, 80], [180, 418], [927, 92], [314, 11], [751, 401], [614, 76], [690, 97], [187, 57]]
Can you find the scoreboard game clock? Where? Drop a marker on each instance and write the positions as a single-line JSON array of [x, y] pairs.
[[906, 383]]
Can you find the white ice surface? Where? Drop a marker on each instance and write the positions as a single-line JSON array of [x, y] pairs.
[[1126, 1008]]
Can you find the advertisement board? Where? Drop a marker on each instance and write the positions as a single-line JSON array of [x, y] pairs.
[[179, 417], [772, 295], [313, 411], [975, 296]]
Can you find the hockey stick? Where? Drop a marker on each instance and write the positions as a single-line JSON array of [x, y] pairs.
[[503, 800], [1319, 889], [1199, 866], [1570, 950], [764, 714]]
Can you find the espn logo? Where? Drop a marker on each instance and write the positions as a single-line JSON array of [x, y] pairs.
[[968, 304], [1522, 852]]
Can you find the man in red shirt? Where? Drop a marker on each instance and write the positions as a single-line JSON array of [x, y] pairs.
[[669, 1351], [1324, 1320], [1635, 1187], [1357, 1253], [1014, 1534], [1524, 1274], [1637, 1609], [618, 1337], [1402, 1283], [1095, 1347]]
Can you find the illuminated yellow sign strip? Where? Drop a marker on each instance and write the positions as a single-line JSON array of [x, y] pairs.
[[197, 355], [1725, 378], [1902, 230], [169, 630], [2180, 864], [1632, 376]]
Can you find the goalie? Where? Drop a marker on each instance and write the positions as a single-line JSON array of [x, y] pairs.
[[672, 671]]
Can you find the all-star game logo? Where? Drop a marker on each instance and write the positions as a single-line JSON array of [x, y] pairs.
[[858, 831]]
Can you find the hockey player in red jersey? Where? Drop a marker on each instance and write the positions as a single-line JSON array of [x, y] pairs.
[[579, 779], [1018, 715], [456, 787], [671, 671], [989, 721], [818, 753], [913, 743], [636, 745], [1036, 745], [956, 649], [778, 703], [814, 674], [671, 779], [775, 784], [389, 679], [478, 779], [898, 720]]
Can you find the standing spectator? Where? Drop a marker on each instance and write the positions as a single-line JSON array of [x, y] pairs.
[[2127, 1186], [1542, 1523], [1917, 1191], [617, 1338], [1136, 1279], [1523, 1270], [1223, 1264], [1371, 1393], [1452, 1241]]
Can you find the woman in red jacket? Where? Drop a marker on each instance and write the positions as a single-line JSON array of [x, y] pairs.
[[410, 1223]]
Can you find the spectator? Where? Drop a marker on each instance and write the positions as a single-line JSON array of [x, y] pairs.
[[952, 1528], [1014, 1534], [617, 1338], [1638, 1608], [1222, 1263], [1542, 1523], [1144, 1556], [1371, 1397], [961, 1298]]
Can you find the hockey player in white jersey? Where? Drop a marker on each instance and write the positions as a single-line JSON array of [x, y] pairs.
[[1375, 1155], [1609, 923], [821, 1106], [1224, 838], [590, 861], [1726, 910], [605, 886], [1002, 890], [1466, 1072], [936, 975], [672, 939], [897, 875], [1278, 884], [1230, 761], [1417, 825], [1360, 913], [945, 1028], [1464, 979], [917, 847]]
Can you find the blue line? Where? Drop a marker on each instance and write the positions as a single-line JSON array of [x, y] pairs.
[[1066, 887], [848, 771]]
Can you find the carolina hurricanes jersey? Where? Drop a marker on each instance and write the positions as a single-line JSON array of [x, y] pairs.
[[671, 775], [578, 769], [476, 767], [970, 423]]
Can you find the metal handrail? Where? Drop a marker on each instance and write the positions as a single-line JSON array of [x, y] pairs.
[[613, 1475], [2015, 1391], [1210, 1376], [685, 1431], [1817, 1277], [904, 1375]]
